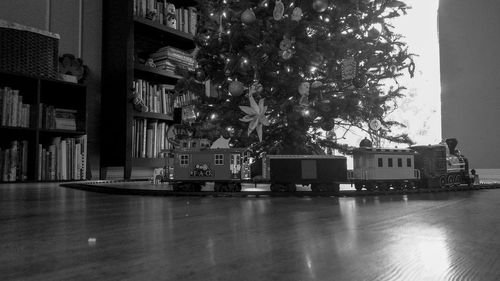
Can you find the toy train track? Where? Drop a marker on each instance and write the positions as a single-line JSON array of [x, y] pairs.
[[116, 188]]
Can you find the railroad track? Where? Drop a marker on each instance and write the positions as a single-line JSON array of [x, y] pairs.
[[101, 187]]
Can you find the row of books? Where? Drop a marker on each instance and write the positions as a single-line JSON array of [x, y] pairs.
[[168, 58], [63, 159], [185, 99], [158, 98], [149, 138], [57, 118], [165, 13], [13, 112], [14, 161]]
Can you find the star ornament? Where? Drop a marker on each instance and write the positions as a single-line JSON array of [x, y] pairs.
[[255, 115]]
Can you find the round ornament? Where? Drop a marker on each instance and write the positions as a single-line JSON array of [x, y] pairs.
[[359, 81], [327, 125], [264, 4], [248, 16], [236, 88], [316, 84], [279, 10], [201, 75], [317, 59], [297, 14], [320, 5], [285, 44], [375, 124], [287, 54]]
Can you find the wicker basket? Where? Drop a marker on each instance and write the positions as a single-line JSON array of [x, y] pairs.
[[28, 50]]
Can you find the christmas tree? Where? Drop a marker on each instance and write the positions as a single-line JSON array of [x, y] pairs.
[[287, 76]]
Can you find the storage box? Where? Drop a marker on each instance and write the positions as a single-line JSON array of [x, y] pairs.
[[28, 51]]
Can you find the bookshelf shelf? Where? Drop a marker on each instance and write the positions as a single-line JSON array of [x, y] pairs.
[[142, 24], [30, 154], [128, 41], [155, 116], [62, 132], [159, 73]]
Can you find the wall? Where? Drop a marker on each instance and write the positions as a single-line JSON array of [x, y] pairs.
[[470, 77], [78, 22]]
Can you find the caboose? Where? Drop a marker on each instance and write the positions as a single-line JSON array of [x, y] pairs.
[[189, 169]]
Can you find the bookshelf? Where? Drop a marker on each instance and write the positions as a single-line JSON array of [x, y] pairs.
[[129, 39], [40, 143]]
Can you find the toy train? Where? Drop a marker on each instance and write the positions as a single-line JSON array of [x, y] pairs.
[[441, 165]]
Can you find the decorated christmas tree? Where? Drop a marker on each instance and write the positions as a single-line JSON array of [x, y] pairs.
[[292, 77]]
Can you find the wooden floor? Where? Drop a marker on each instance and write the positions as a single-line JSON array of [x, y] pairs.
[[49, 232]]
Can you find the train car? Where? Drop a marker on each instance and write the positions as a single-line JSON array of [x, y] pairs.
[[189, 169], [321, 172], [383, 168]]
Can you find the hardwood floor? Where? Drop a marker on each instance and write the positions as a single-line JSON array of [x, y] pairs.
[[47, 232]]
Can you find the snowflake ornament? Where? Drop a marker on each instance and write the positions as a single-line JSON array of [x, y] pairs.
[[255, 115]]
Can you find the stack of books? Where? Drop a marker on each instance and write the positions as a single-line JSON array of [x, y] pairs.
[[157, 98], [168, 58], [14, 161], [149, 138], [63, 159], [165, 13], [13, 112], [57, 118]]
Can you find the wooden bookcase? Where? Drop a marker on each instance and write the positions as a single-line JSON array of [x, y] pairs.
[[36, 92], [127, 40]]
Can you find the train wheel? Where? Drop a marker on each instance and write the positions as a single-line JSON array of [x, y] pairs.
[[237, 187], [358, 186], [196, 187], [291, 187], [218, 187], [334, 187], [176, 187], [458, 180], [442, 181], [383, 186], [450, 179], [318, 187], [276, 187], [370, 187]]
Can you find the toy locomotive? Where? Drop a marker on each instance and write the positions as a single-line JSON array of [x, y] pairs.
[[429, 166]]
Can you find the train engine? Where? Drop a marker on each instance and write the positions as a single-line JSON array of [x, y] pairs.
[[441, 165]]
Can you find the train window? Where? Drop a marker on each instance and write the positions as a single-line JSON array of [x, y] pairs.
[[184, 159], [389, 162], [400, 162], [408, 162], [219, 159], [380, 162]]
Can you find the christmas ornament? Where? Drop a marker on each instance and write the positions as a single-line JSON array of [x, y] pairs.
[[297, 14], [200, 75], [248, 16], [236, 88], [304, 93], [188, 114], [286, 54], [316, 84], [286, 43], [317, 59], [320, 5], [279, 10], [244, 64], [359, 81], [375, 124], [255, 115], [255, 88], [327, 125], [348, 68]]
